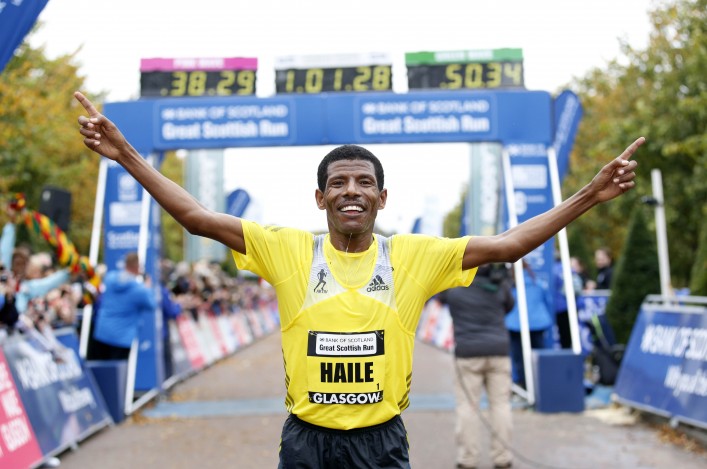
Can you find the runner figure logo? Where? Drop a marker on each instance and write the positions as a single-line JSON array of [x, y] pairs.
[[321, 275]]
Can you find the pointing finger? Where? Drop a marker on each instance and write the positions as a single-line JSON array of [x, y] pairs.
[[87, 104], [632, 148]]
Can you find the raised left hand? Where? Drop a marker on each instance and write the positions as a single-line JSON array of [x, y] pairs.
[[617, 177]]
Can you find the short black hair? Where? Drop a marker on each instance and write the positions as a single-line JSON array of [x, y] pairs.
[[348, 152]]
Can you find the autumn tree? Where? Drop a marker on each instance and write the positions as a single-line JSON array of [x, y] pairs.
[[658, 92], [452, 223], [172, 232], [39, 141]]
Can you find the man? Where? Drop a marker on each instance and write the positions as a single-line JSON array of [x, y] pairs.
[[124, 302], [482, 362], [348, 346]]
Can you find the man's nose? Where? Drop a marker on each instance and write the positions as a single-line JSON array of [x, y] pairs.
[[352, 186]]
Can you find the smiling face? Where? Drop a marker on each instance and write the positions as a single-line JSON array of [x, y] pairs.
[[351, 199]]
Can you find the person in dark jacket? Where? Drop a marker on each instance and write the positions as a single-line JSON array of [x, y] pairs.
[[482, 362], [604, 262], [125, 301], [8, 311]]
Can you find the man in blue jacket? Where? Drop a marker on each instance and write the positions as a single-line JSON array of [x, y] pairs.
[[125, 301]]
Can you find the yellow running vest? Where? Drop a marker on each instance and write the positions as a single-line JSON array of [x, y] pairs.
[[347, 348]]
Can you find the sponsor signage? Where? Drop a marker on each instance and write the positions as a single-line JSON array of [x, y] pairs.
[[460, 116], [190, 342], [181, 364], [61, 399], [664, 368], [231, 122], [18, 445], [591, 309], [123, 217], [533, 196], [333, 118]]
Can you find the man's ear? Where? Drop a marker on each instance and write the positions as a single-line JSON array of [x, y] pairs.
[[382, 198], [319, 197]]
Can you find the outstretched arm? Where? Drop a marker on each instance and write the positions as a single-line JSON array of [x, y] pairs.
[[104, 138], [614, 179]]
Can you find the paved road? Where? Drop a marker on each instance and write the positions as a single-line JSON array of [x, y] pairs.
[[230, 416]]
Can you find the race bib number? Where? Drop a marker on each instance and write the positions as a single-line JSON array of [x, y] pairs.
[[346, 368]]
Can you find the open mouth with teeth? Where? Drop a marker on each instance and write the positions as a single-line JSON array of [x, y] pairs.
[[351, 208]]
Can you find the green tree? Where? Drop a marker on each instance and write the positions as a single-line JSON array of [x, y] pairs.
[[451, 225], [39, 142], [579, 247], [636, 275], [172, 232], [660, 93], [698, 282]]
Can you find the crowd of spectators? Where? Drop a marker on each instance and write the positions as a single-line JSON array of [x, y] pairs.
[[38, 297]]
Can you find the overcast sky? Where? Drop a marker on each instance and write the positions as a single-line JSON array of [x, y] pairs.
[[560, 39]]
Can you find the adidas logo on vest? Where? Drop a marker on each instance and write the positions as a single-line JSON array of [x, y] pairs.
[[377, 284]]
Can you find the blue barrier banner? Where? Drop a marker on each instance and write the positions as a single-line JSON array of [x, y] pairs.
[[664, 368], [149, 373], [18, 444], [180, 362], [187, 330], [16, 20], [62, 400], [68, 337]]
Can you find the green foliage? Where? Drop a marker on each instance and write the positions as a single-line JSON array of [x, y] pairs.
[[172, 232], [451, 225], [659, 93], [39, 140], [698, 282], [580, 248], [635, 275], [229, 266]]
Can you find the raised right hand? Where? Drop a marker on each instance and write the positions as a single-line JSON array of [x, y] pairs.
[[100, 134]]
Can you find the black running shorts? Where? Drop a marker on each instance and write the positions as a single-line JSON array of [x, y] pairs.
[[304, 445]]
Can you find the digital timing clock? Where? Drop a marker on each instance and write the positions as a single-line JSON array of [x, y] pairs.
[[466, 69], [338, 73], [163, 78]]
